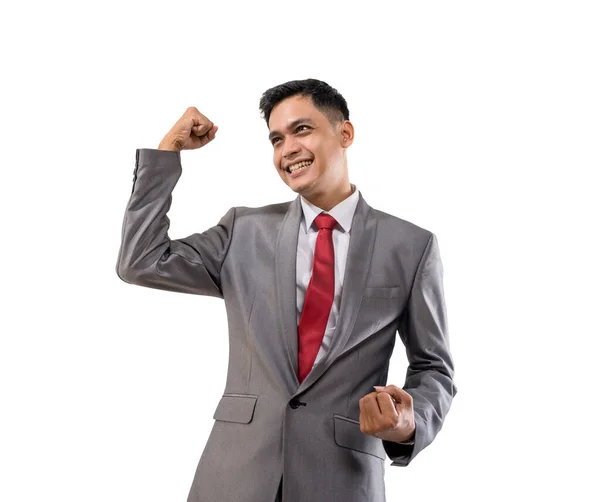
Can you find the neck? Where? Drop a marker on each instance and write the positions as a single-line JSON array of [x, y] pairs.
[[329, 200]]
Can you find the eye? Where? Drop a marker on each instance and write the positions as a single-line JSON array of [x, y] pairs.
[[275, 140], [302, 128]]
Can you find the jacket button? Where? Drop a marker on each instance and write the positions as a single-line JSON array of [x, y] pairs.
[[294, 403]]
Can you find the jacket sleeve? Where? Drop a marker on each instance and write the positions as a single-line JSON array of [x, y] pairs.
[[429, 377], [148, 257]]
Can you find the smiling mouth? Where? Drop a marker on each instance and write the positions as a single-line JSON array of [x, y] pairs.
[[298, 166]]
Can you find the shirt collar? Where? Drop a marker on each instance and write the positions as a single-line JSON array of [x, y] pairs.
[[343, 212]]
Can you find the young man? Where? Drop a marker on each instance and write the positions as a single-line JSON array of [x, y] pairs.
[[306, 415]]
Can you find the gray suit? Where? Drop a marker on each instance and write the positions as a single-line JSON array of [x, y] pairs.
[[267, 426]]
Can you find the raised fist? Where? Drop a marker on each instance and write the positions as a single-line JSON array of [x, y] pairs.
[[193, 130]]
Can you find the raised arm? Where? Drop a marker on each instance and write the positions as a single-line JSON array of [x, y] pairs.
[[147, 256]]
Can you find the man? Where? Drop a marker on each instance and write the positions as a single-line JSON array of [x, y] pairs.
[[315, 291]]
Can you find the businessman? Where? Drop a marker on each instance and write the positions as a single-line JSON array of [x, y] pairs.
[[315, 291]]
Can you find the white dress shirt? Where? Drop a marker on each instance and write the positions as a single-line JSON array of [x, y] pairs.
[[307, 238]]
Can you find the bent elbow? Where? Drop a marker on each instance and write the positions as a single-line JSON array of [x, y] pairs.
[[128, 274], [122, 273]]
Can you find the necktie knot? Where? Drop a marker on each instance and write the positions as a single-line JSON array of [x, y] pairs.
[[325, 221]]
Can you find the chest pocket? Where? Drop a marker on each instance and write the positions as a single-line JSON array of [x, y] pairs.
[[393, 292]]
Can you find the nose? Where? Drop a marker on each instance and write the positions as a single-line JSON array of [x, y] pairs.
[[290, 147]]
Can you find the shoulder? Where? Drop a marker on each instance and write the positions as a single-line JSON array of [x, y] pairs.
[[391, 225], [274, 211]]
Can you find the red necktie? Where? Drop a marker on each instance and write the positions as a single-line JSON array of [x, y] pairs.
[[318, 299]]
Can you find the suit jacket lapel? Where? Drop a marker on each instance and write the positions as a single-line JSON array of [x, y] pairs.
[[285, 278]]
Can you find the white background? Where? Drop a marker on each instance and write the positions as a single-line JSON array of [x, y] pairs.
[[476, 120]]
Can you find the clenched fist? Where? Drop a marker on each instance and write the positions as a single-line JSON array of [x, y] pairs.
[[193, 130], [388, 414]]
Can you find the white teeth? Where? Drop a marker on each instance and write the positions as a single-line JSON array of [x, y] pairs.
[[299, 165]]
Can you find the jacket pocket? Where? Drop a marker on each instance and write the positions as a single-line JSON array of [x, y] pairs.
[[383, 292], [237, 408], [347, 435]]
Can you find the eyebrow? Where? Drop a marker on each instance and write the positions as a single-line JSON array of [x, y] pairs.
[[291, 126]]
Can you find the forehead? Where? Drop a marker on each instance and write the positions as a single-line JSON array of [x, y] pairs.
[[290, 109]]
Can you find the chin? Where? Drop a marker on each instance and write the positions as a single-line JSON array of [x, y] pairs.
[[302, 187]]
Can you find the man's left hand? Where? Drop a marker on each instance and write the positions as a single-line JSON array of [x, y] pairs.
[[388, 414]]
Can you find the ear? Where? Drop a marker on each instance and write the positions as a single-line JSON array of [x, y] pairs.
[[346, 133]]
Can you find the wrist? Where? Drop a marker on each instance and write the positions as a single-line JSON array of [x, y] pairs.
[[168, 145], [407, 438]]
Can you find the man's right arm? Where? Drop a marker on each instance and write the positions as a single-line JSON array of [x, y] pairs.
[[147, 256]]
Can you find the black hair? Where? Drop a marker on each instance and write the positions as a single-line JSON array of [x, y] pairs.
[[327, 99]]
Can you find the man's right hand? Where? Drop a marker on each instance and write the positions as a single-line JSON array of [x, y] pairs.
[[193, 130]]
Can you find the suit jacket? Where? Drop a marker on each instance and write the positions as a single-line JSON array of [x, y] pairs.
[[267, 425]]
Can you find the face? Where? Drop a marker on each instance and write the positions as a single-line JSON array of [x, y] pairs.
[[308, 151]]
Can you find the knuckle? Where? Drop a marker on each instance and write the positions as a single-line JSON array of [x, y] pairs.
[[382, 397]]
